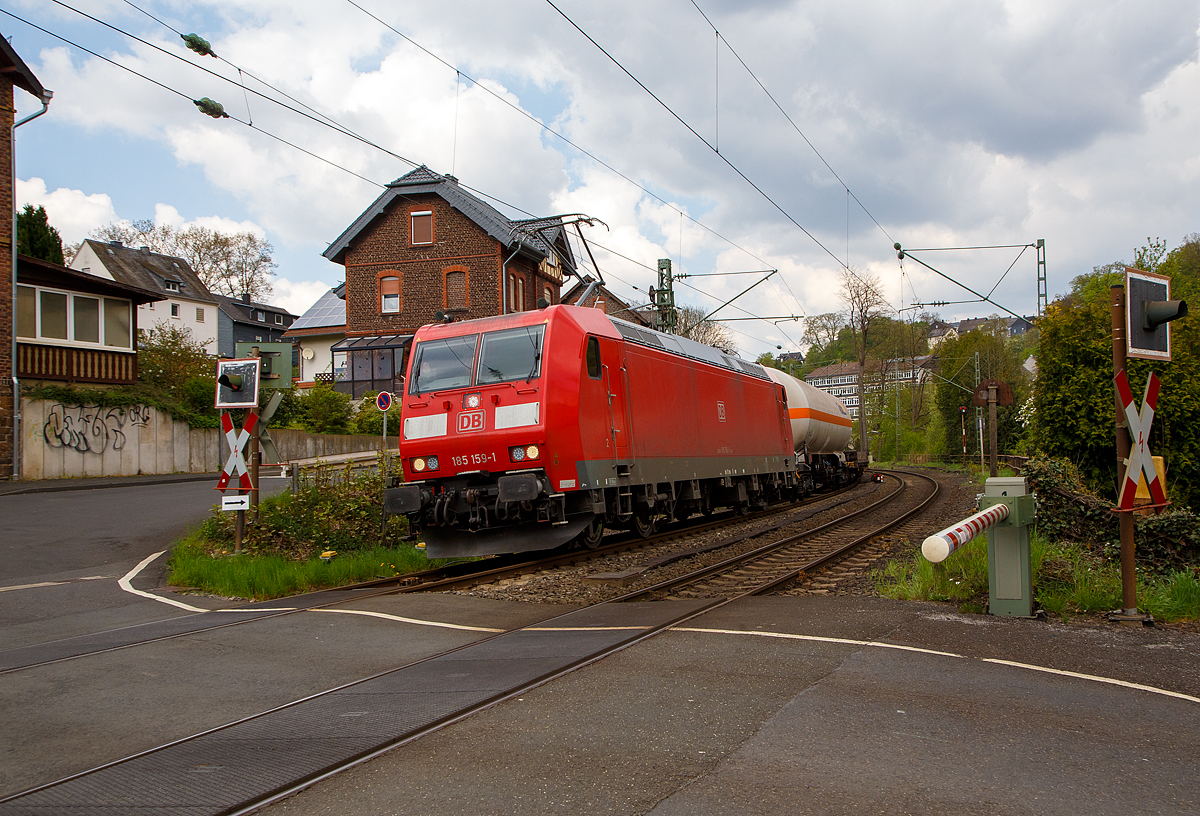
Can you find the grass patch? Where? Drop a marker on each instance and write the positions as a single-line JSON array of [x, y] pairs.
[[265, 576], [1068, 580]]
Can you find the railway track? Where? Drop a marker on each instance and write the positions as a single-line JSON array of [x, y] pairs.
[[273, 761], [776, 563]]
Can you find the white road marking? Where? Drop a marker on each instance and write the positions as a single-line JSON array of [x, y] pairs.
[[848, 642], [844, 641], [125, 585], [257, 609], [32, 586], [409, 620], [1095, 679], [56, 583]]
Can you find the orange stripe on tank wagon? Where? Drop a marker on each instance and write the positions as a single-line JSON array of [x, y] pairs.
[[809, 413]]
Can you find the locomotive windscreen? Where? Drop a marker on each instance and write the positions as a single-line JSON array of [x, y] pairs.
[[443, 364], [513, 354]]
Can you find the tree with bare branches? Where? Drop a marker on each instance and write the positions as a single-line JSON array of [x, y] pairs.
[[865, 306], [693, 326], [230, 264]]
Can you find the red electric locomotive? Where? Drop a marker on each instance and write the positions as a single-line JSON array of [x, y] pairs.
[[530, 430]]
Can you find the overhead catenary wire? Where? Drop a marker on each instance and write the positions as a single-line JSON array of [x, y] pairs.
[[337, 126], [316, 116]]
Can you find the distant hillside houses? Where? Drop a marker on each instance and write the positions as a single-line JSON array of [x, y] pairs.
[[941, 331], [841, 379]]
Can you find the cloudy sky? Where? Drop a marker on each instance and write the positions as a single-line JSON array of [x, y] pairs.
[[932, 124]]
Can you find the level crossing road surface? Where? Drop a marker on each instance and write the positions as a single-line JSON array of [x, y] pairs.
[[62, 551], [781, 704]]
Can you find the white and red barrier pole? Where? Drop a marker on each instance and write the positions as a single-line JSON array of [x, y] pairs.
[[939, 546]]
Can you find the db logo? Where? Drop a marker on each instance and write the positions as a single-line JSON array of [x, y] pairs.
[[721, 411], [470, 421]]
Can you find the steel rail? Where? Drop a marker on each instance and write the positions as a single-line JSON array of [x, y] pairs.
[[767, 549]]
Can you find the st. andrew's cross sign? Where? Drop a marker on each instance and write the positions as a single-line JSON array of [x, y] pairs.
[[238, 443], [1140, 460]]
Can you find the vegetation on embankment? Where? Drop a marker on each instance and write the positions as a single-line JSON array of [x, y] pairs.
[[337, 511], [1075, 557]]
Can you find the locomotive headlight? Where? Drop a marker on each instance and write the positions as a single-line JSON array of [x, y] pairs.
[[521, 453], [472, 401], [432, 462], [418, 464]]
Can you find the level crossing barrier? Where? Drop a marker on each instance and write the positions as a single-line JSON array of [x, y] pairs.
[[1006, 511]]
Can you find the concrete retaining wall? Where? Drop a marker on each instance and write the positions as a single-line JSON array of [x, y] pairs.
[[61, 441]]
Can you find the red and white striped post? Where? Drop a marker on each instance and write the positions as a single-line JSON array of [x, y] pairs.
[[939, 546]]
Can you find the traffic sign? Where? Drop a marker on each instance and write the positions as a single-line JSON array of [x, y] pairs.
[[236, 464], [1140, 460], [384, 401], [238, 502]]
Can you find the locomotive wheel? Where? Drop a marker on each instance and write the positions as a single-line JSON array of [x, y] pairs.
[[643, 526], [592, 534]]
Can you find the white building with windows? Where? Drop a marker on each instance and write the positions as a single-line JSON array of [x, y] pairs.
[[841, 379], [188, 305]]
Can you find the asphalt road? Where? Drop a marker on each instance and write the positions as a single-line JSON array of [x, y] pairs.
[[81, 542]]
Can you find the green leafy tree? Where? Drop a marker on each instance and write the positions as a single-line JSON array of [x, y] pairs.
[[168, 357], [1000, 358], [36, 238], [327, 410]]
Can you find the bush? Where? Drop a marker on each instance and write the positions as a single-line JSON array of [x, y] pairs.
[[168, 356], [369, 419], [326, 410], [339, 511]]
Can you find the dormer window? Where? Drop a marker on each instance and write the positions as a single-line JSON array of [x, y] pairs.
[[262, 317], [172, 286]]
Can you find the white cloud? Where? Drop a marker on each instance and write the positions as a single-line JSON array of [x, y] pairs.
[[296, 296], [996, 122], [72, 212]]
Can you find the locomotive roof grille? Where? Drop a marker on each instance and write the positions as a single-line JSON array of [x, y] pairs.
[[684, 347]]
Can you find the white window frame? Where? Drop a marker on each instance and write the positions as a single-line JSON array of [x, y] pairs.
[[175, 310], [38, 339]]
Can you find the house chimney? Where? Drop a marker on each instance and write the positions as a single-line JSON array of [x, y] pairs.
[[245, 297], [145, 250]]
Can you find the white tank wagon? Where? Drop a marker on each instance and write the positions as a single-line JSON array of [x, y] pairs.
[[820, 423]]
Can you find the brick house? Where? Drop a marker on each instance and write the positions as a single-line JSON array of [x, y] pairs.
[[14, 73], [427, 246]]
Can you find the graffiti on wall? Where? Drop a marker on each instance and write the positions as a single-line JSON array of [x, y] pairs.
[[91, 428]]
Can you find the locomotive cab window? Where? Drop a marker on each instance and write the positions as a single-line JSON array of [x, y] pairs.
[[593, 358], [442, 364], [514, 354]]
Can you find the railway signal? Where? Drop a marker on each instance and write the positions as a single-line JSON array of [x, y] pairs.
[[1140, 329]]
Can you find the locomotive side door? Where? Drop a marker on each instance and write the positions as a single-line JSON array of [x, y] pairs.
[[612, 365]]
